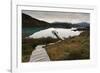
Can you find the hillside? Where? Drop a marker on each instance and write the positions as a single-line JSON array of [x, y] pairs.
[[28, 21], [73, 48]]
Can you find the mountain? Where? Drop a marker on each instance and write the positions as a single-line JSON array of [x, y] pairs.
[[70, 25], [28, 21], [58, 33], [61, 25], [82, 24]]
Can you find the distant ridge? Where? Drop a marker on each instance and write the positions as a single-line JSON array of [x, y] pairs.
[[82, 24], [28, 21]]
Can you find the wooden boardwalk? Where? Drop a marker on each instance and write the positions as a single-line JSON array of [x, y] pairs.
[[39, 54]]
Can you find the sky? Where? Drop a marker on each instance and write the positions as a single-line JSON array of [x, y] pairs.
[[52, 16]]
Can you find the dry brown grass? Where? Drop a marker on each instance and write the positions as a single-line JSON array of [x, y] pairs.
[[70, 49]]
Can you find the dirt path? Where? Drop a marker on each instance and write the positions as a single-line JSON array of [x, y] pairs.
[[39, 54]]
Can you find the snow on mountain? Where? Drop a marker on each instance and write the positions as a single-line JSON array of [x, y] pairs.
[[55, 33]]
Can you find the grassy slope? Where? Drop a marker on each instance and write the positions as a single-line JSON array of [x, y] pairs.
[[28, 45], [70, 49]]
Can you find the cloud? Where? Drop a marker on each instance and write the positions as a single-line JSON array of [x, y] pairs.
[[51, 16]]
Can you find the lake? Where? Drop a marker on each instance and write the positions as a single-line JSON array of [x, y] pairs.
[[26, 31]]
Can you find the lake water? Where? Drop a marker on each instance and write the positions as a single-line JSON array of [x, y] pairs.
[[26, 31]]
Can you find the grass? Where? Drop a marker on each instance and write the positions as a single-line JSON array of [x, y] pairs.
[[72, 48], [28, 45]]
